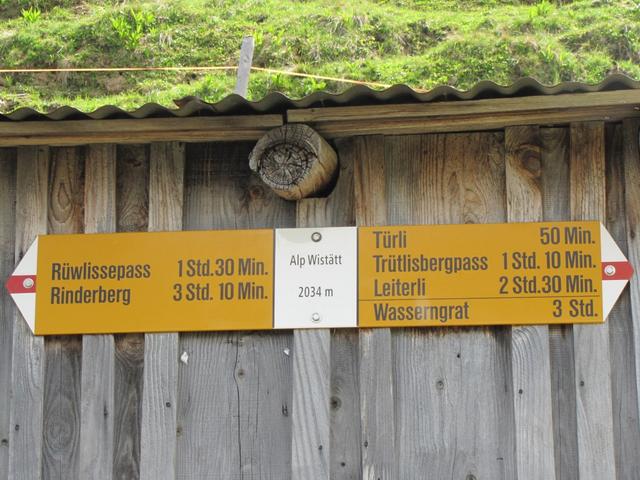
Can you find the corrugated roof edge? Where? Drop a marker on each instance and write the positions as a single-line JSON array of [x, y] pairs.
[[358, 95]]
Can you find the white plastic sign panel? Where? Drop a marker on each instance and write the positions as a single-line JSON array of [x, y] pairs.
[[316, 278]]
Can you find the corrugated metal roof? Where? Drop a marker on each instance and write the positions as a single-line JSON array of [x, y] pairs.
[[358, 95]]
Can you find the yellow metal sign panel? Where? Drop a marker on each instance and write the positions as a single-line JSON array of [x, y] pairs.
[[340, 277], [526, 273], [155, 282]]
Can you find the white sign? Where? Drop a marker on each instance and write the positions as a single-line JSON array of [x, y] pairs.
[[316, 278]]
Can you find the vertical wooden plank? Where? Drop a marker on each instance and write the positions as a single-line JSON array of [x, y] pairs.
[[159, 401], [234, 393], [132, 186], [530, 357], [129, 357], [27, 373], [555, 183], [346, 458], [456, 416], [7, 249], [316, 400], [310, 411], [97, 414], [310, 422], [376, 362], [632, 206], [132, 192], [596, 457], [63, 354], [626, 428]]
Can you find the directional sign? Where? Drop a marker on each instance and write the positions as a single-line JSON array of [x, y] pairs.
[[393, 276]]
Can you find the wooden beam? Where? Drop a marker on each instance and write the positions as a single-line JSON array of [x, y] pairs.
[[294, 161], [191, 129], [467, 115]]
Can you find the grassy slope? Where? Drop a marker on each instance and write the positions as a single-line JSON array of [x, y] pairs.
[[417, 42]]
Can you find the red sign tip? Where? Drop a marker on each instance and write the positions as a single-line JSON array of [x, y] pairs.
[[617, 271], [21, 284]]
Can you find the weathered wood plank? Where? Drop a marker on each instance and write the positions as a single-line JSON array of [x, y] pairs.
[[346, 459], [555, 183], [470, 115], [454, 414], [310, 422], [189, 129], [129, 362], [160, 392], [530, 358], [132, 192], [97, 414], [132, 185], [311, 397], [596, 458], [27, 373], [7, 249], [632, 207], [61, 440], [235, 392], [626, 429], [379, 458]]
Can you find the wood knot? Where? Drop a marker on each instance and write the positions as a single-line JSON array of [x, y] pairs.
[[256, 192], [295, 161], [336, 403]]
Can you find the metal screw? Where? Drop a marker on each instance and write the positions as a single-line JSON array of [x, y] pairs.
[[315, 317], [316, 236], [27, 282], [610, 270]]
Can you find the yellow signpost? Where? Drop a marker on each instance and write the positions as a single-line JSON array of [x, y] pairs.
[[392, 276]]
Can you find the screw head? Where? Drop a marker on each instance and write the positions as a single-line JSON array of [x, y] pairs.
[[609, 270], [316, 236], [28, 282], [315, 317]]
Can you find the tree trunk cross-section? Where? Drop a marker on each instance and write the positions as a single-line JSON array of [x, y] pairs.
[[294, 161]]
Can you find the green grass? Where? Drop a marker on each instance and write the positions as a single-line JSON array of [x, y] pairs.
[[416, 42]]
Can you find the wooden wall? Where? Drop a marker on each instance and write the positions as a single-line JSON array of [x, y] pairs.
[[472, 404]]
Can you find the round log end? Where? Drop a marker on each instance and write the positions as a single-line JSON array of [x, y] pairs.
[[295, 161]]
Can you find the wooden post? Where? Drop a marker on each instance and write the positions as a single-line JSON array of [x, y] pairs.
[[294, 161], [244, 67]]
